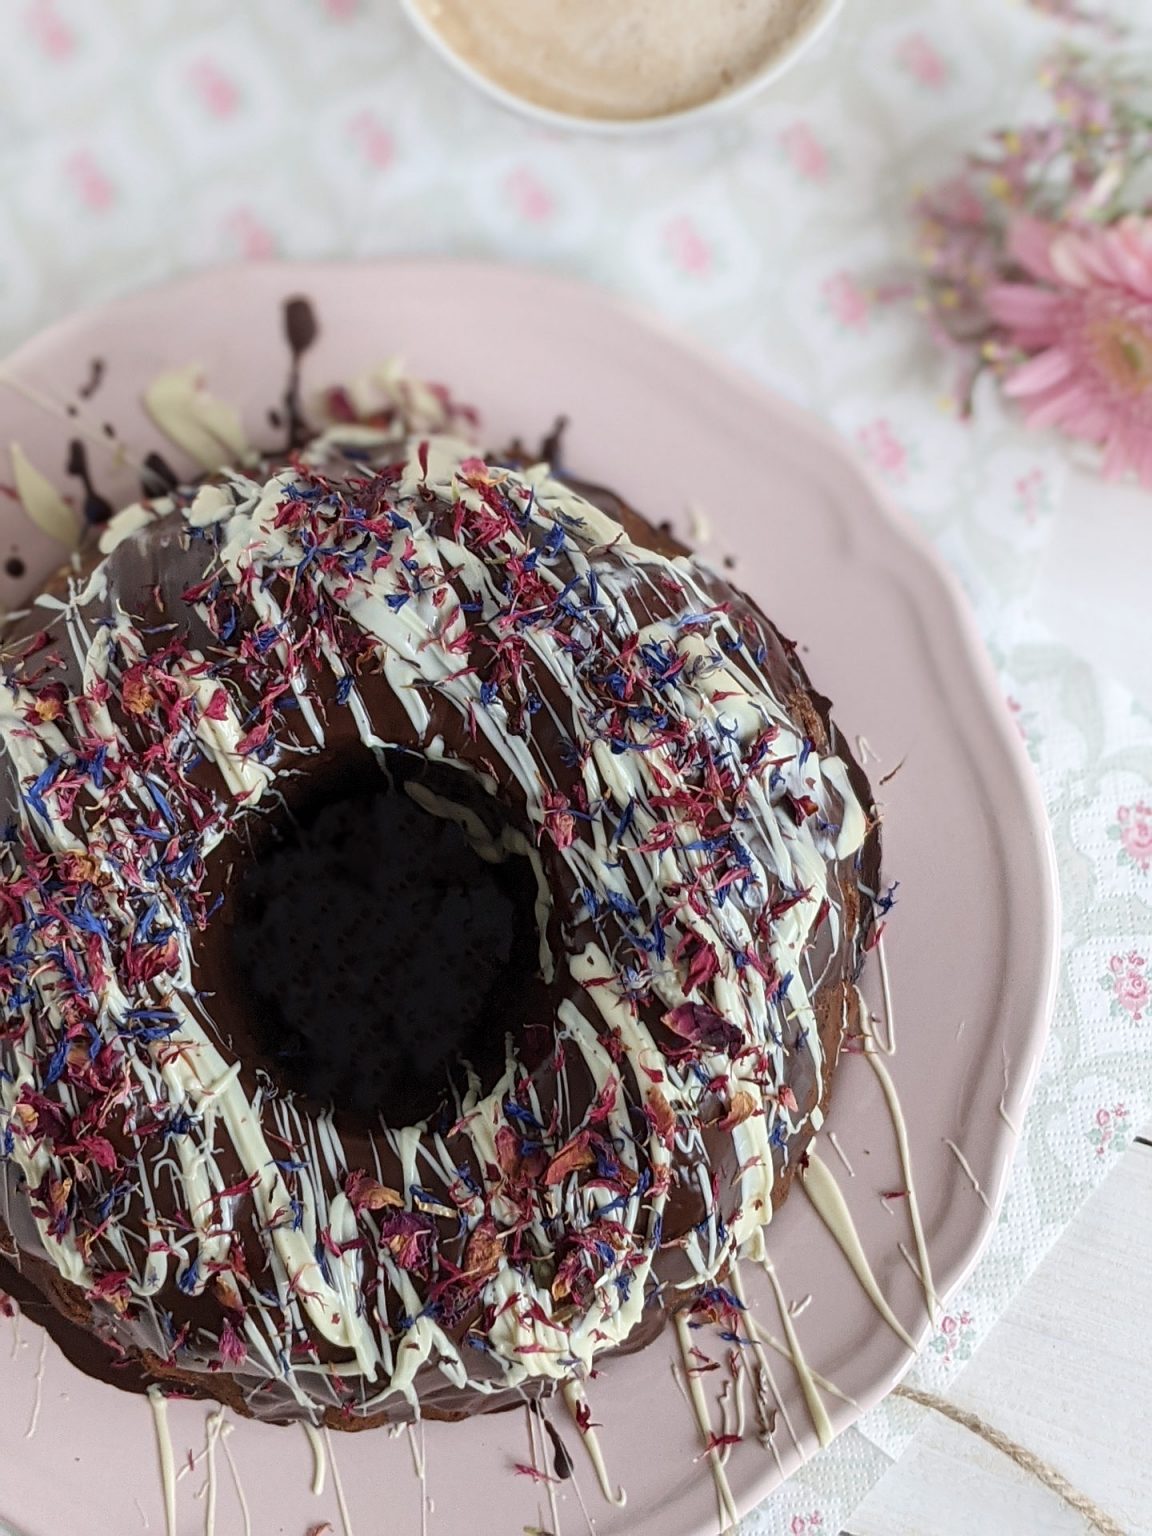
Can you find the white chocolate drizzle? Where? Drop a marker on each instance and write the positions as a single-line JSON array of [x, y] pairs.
[[830, 1205], [889, 1047], [821, 1423], [800, 824], [159, 1407], [834, 1143], [319, 1457], [760, 1337], [213, 1427], [577, 1405], [237, 1484], [42, 501], [38, 1392], [729, 1514], [207, 429], [900, 1129], [338, 1487], [766, 1336], [966, 1168]]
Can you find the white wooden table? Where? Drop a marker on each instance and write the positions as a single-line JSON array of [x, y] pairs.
[[1067, 1372]]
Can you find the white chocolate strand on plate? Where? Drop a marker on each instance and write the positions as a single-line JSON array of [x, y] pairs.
[[820, 1186]]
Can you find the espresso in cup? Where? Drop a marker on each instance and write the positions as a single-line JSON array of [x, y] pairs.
[[619, 60]]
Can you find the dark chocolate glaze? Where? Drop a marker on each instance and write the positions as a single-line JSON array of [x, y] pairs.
[[148, 573]]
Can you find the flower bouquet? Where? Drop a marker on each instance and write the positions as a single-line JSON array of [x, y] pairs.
[[1038, 260]]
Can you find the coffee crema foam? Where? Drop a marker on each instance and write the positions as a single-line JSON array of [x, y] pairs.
[[618, 59]]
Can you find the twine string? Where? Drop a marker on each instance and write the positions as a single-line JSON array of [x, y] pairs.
[[1025, 1459]]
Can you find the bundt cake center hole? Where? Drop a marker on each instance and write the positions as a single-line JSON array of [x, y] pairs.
[[379, 951]]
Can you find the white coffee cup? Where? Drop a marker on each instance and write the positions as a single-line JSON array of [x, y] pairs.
[[816, 24]]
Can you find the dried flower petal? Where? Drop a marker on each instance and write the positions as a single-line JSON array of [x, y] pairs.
[[741, 1106], [368, 1194], [485, 1249]]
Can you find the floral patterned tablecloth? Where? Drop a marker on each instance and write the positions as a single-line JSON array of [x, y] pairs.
[[143, 138]]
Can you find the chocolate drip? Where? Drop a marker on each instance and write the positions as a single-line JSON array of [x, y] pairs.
[[94, 380], [158, 476], [562, 1463], [301, 329], [552, 446], [97, 510]]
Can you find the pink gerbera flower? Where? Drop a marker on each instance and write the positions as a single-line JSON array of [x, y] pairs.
[[1086, 325]]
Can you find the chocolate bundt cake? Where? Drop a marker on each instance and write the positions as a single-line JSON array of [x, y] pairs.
[[431, 906]]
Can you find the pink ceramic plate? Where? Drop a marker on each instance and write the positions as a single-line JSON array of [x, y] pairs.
[[970, 948]]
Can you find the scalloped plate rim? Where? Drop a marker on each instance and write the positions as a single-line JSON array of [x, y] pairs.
[[903, 555]]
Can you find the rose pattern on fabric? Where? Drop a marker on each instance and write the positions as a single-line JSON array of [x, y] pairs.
[[372, 138], [90, 183], [846, 301], [885, 450], [528, 195], [217, 92], [1111, 1130], [51, 32], [1127, 980], [1133, 830], [1033, 494], [687, 247], [918, 57], [953, 1341], [805, 152], [249, 236]]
